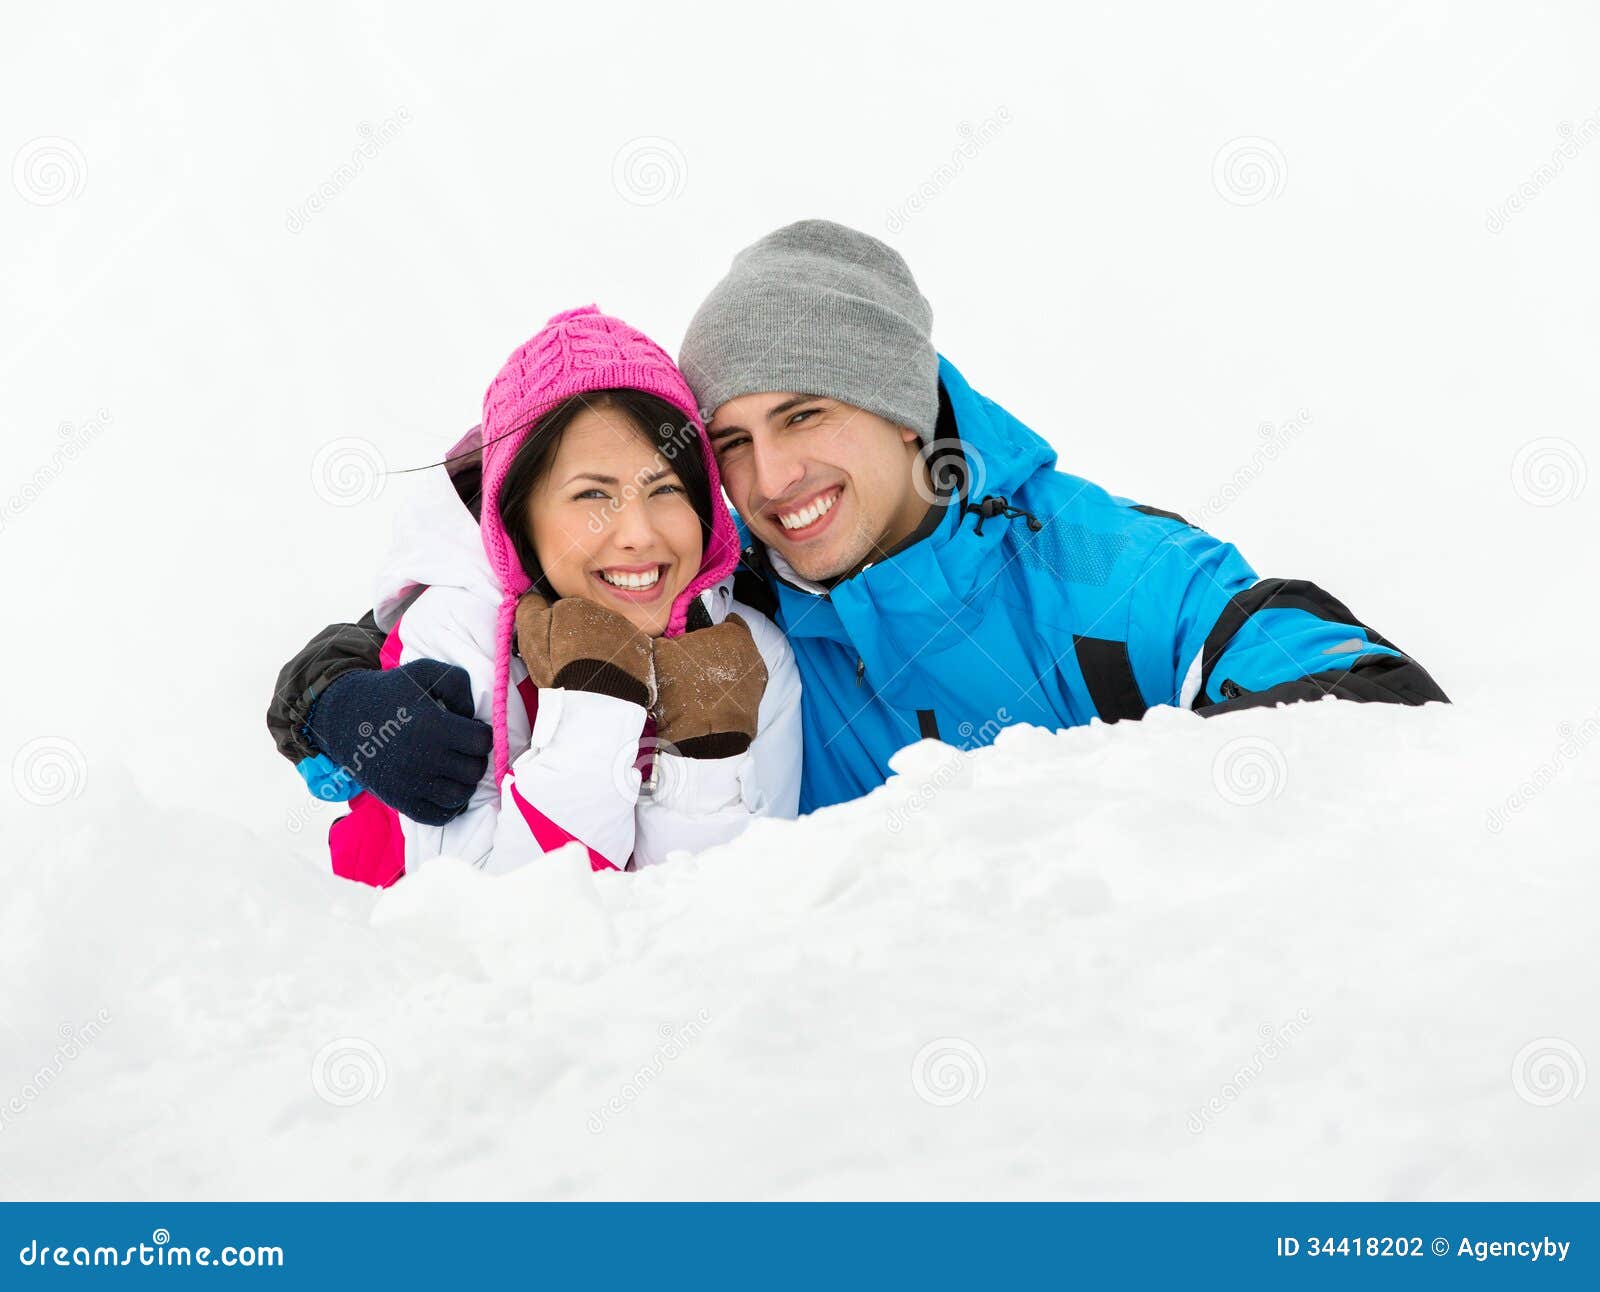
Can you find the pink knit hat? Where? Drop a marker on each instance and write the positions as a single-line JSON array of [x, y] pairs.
[[576, 352]]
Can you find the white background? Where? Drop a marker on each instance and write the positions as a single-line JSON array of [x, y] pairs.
[[1093, 265]]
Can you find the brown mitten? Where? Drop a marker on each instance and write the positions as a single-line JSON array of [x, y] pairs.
[[581, 646], [709, 685]]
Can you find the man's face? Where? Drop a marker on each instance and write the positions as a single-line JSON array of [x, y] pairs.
[[823, 483]]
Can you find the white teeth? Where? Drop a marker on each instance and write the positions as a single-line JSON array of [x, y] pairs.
[[809, 515], [633, 582]]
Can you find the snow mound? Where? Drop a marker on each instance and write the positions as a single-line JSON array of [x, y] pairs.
[[1330, 951]]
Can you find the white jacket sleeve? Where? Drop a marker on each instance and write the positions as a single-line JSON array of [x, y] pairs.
[[697, 803], [576, 778]]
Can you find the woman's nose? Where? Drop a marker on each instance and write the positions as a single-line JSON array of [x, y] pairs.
[[632, 528]]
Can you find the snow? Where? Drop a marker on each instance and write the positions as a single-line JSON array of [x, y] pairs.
[[1020, 971], [1260, 269]]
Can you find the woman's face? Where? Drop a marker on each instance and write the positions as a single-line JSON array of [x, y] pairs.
[[611, 522]]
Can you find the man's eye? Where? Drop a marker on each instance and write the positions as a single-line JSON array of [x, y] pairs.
[[804, 412], [732, 442]]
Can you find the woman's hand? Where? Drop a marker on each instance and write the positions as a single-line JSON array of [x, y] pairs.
[[582, 646], [709, 685]]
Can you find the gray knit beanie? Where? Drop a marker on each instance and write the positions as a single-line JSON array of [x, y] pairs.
[[818, 309]]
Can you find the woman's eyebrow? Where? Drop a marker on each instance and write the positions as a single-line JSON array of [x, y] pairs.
[[590, 475]]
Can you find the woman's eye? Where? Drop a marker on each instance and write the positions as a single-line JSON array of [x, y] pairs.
[[667, 488], [589, 493]]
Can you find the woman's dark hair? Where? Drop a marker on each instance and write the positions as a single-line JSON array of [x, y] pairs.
[[663, 427]]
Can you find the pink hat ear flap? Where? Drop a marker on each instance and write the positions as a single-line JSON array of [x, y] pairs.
[[505, 626]]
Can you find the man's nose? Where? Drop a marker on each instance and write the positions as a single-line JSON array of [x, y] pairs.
[[777, 470]]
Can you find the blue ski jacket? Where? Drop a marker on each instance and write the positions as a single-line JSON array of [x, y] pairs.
[[1040, 598]]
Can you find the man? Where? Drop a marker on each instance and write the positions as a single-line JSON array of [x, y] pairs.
[[935, 574]]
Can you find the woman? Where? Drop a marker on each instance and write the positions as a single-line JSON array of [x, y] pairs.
[[636, 707]]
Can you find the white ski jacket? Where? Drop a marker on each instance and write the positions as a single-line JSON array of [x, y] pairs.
[[575, 770]]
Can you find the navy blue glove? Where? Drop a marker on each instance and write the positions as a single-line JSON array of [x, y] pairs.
[[407, 735]]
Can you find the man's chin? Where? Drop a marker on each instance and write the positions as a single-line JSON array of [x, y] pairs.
[[813, 563]]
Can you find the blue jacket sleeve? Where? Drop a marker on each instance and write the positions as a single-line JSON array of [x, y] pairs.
[[1205, 632]]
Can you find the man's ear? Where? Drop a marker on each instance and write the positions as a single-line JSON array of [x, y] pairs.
[[909, 436]]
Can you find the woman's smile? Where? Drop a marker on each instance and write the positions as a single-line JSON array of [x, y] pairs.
[[633, 584]]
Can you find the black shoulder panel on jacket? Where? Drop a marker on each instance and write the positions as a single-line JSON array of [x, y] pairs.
[[1108, 673]]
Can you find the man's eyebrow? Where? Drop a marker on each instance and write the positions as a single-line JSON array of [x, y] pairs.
[[777, 410], [787, 404]]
